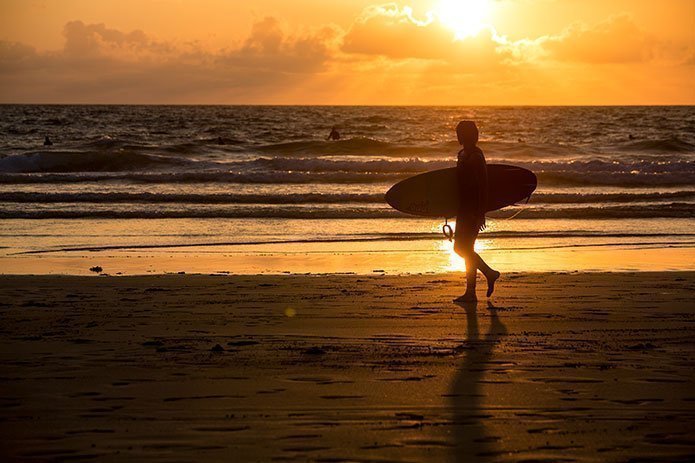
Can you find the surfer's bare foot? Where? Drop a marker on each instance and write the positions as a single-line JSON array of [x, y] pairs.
[[467, 297], [491, 282]]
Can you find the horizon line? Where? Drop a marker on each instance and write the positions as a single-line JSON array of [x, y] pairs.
[[365, 105]]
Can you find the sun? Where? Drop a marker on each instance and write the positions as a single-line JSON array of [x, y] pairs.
[[465, 17]]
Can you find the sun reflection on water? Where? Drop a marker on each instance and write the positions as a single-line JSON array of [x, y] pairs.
[[455, 262]]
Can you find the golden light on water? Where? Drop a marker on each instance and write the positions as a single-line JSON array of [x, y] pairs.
[[456, 263]]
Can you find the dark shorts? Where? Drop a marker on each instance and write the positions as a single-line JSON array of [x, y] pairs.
[[466, 232]]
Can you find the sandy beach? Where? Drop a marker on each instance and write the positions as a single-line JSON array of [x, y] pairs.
[[336, 368]]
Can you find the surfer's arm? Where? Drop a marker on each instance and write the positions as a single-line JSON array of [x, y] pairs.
[[482, 186], [482, 190]]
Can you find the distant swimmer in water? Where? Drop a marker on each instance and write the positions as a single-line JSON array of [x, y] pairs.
[[334, 135], [470, 219], [47, 141]]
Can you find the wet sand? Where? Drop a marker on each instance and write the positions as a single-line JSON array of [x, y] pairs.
[[590, 367]]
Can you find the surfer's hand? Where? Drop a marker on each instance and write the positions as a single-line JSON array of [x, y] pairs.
[[481, 224]]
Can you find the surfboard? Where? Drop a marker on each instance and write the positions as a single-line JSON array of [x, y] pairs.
[[435, 193]]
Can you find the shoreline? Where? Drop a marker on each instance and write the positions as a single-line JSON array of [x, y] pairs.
[[593, 367], [374, 273], [298, 246], [436, 257]]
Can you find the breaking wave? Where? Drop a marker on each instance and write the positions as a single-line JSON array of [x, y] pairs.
[[314, 198], [547, 178], [666, 145], [669, 210], [89, 161]]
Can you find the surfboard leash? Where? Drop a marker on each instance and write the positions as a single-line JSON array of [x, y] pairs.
[[447, 230], [515, 214], [520, 210]]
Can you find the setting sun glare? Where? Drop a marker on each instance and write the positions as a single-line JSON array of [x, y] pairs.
[[465, 17]]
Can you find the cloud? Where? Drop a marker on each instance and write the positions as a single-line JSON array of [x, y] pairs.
[[617, 40], [392, 32], [387, 55], [84, 40], [268, 48], [14, 51], [98, 63], [689, 59]]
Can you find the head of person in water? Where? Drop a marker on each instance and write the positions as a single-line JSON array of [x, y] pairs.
[[467, 133]]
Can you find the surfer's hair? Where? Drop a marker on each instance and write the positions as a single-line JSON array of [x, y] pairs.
[[467, 132]]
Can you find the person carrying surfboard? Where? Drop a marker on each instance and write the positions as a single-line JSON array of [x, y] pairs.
[[470, 218]]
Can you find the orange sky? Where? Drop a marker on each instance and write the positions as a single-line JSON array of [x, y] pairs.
[[460, 52]]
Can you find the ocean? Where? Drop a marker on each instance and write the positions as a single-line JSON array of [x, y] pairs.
[[252, 189]]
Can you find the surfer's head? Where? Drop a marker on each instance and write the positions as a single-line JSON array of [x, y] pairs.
[[467, 133]]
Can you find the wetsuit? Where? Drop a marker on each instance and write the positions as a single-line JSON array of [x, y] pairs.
[[471, 171]]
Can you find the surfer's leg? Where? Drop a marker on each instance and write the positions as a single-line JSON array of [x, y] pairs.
[[464, 246], [471, 273], [480, 263], [464, 236], [490, 274]]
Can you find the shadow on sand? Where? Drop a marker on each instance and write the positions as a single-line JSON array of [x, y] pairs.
[[471, 442]]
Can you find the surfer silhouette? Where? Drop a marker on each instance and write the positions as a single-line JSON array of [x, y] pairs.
[[334, 135], [47, 141], [470, 218]]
